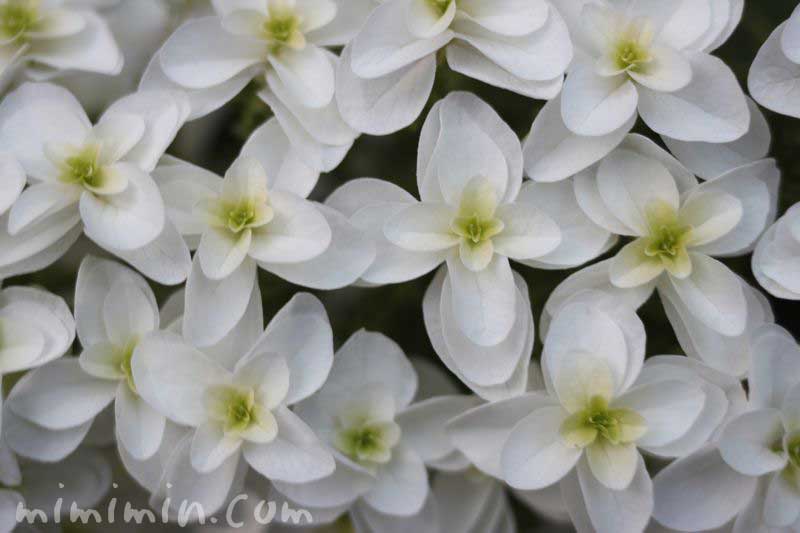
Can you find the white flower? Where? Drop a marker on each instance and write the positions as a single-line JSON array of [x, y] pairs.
[[386, 74], [50, 37], [90, 178], [637, 55], [754, 470], [776, 261], [475, 214], [776, 69], [602, 404], [380, 439], [213, 58], [115, 311], [256, 216], [235, 398], [678, 225]]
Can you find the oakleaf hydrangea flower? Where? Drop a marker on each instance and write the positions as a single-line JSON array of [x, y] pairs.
[[754, 468], [235, 398], [776, 261], [92, 179], [256, 216], [678, 226], [475, 215], [602, 404], [48, 37], [386, 74], [115, 311], [380, 439], [775, 71], [637, 55]]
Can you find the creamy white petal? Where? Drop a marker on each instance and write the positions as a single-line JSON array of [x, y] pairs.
[[747, 442], [594, 105]]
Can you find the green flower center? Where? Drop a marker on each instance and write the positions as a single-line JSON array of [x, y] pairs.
[[631, 55], [475, 229], [667, 241], [440, 6], [240, 412], [17, 17], [793, 451], [599, 420], [368, 443], [125, 366], [281, 29], [83, 168], [241, 217]]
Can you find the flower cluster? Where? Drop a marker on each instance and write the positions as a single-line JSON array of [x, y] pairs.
[[138, 271]]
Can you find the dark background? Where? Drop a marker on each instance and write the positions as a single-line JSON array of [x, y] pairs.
[[396, 310]]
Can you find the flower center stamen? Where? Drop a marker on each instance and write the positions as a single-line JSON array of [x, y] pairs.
[[83, 168], [599, 420], [440, 6], [17, 17], [369, 443], [125, 366], [475, 229]]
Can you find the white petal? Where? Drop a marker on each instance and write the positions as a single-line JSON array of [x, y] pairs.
[[709, 160], [553, 152], [23, 344], [307, 74], [295, 456], [139, 427], [747, 442], [775, 365], [301, 333], [221, 252], [535, 455], [238, 342], [402, 484], [669, 71], [595, 105], [613, 465], [711, 214], [343, 487], [201, 54], [41, 444], [630, 184], [755, 186], [172, 377], [423, 424], [385, 44], [773, 77], [12, 181], [543, 54], [700, 492], [669, 407], [96, 278], [790, 38], [422, 227], [117, 134], [165, 260], [528, 233], [425, 21], [128, 220], [622, 511], [467, 60], [206, 323], [483, 302], [211, 447], [386, 104], [93, 49], [60, 395], [712, 108], [782, 504], [507, 17], [350, 17], [713, 294], [372, 359], [286, 169], [298, 232]]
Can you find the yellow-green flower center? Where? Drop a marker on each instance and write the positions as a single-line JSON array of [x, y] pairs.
[[599, 420], [475, 229], [125, 365], [630, 55], [440, 6], [793, 451], [368, 443], [83, 168], [240, 217], [238, 409], [283, 28], [17, 17], [668, 236]]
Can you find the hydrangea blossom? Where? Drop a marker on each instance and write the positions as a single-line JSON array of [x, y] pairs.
[[49, 37], [256, 216], [234, 397], [92, 179], [601, 405], [387, 72], [652, 58]]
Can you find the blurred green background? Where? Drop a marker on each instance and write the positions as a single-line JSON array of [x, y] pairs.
[[396, 310]]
